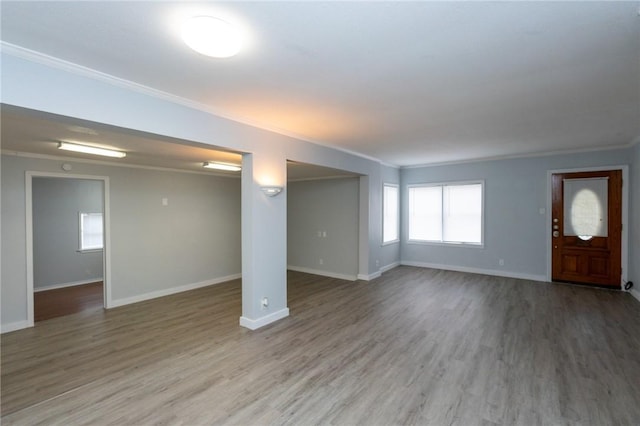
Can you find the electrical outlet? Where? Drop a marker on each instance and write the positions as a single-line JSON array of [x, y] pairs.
[[321, 261], [501, 262], [264, 302]]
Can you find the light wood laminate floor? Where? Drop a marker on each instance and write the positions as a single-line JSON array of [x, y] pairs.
[[416, 346]]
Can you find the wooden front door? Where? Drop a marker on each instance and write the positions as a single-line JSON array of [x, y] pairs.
[[587, 227]]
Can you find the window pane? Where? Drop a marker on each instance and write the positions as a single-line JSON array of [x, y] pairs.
[[90, 231], [390, 214], [585, 207], [425, 213], [462, 213]]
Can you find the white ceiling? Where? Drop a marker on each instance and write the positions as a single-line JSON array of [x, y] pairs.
[[30, 132], [405, 82]]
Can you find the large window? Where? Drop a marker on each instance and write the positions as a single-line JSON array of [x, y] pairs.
[[390, 222], [446, 213], [91, 227]]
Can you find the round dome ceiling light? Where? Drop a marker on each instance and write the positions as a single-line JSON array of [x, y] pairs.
[[212, 36]]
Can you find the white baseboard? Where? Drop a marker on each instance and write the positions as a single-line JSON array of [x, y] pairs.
[[63, 285], [322, 273], [389, 267], [254, 324], [635, 293], [365, 277], [169, 291], [494, 272], [13, 326]]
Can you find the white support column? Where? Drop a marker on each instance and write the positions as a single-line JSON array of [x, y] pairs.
[[264, 241]]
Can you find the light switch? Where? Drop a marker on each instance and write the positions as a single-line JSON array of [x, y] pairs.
[[165, 201]]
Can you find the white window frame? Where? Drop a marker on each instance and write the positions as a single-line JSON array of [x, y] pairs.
[[448, 243], [384, 207], [81, 248]]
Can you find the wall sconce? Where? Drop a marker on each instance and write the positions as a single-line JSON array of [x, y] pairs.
[[271, 191]]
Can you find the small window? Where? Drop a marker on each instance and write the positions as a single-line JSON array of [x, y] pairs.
[[390, 222], [446, 213], [91, 231]]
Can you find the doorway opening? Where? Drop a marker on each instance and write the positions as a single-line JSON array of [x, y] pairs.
[[323, 221], [67, 218]]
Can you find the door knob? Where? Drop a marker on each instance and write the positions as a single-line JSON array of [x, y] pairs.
[[556, 234]]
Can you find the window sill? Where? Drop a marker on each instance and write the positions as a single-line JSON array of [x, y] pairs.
[[443, 244], [388, 243], [90, 251]]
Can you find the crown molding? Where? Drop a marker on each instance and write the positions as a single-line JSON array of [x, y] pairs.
[[313, 179], [61, 64], [520, 156]]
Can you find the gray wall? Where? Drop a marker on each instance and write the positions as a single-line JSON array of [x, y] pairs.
[[329, 205], [28, 84], [634, 243], [195, 239], [56, 205], [515, 191]]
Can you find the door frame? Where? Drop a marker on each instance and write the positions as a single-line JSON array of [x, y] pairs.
[[624, 250], [106, 252]]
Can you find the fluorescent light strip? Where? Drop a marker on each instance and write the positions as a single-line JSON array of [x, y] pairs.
[[91, 150], [222, 166]]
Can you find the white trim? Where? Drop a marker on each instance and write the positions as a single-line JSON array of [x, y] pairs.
[[369, 277], [312, 179], [445, 244], [65, 285], [53, 62], [172, 290], [13, 326], [635, 293], [519, 156], [493, 272], [106, 254], [28, 196], [106, 251], [625, 215], [389, 267], [322, 273], [265, 320]]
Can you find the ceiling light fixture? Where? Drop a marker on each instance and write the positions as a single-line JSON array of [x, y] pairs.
[[211, 36], [222, 166], [87, 149]]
